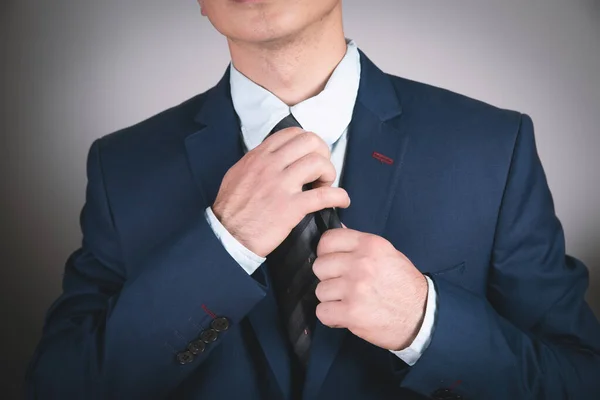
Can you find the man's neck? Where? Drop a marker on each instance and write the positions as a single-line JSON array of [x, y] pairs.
[[294, 68]]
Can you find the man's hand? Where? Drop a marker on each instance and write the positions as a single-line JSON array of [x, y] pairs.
[[370, 288], [261, 199]]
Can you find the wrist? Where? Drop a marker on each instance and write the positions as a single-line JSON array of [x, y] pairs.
[[233, 230], [419, 307]]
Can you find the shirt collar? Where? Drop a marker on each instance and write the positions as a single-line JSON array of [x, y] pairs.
[[327, 114]]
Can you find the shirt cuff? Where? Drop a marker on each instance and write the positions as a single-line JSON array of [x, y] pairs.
[[244, 257], [412, 353]]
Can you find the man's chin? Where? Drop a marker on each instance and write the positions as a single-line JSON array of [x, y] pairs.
[[267, 39], [249, 1]]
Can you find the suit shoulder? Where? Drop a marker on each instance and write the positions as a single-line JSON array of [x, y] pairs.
[[457, 109], [164, 127]]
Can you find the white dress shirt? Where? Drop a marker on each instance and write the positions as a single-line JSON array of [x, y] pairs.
[[327, 114]]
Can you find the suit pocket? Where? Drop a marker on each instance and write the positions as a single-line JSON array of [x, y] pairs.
[[457, 269], [459, 275]]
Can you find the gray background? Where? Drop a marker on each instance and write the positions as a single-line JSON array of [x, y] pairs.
[[74, 70]]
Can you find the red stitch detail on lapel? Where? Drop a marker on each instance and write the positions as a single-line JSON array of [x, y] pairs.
[[382, 158], [206, 310]]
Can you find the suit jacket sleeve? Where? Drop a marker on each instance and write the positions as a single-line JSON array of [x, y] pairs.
[[110, 335], [533, 336]]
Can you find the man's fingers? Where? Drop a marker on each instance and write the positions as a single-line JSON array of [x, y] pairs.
[[279, 138], [299, 146], [339, 240], [332, 265], [310, 168], [324, 197], [332, 314], [330, 290]]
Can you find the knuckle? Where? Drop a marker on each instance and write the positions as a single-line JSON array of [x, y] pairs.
[[315, 159], [314, 139], [308, 138], [323, 161], [369, 242], [294, 130], [375, 240], [323, 146]]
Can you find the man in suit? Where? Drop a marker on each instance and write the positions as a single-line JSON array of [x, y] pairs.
[[448, 280]]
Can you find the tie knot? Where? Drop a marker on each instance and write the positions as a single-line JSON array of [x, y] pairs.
[[287, 122]]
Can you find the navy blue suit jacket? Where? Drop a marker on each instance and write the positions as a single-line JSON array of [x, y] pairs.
[[463, 195]]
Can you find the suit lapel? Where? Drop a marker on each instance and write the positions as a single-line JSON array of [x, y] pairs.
[[370, 179], [211, 151], [217, 145]]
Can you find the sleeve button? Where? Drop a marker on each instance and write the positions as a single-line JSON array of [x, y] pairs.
[[220, 324], [209, 336], [196, 347], [185, 357]]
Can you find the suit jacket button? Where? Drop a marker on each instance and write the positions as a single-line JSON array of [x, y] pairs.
[[220, 324], [185, 357], [196, 347], [209, 336]]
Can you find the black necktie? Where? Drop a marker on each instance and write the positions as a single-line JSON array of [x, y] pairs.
[[290, 266]]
